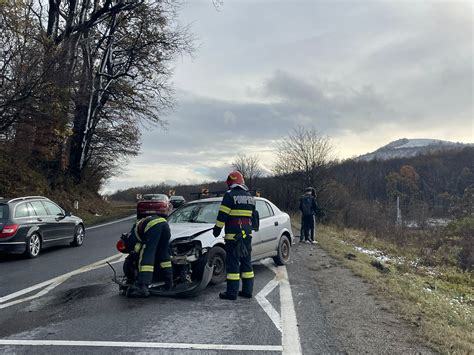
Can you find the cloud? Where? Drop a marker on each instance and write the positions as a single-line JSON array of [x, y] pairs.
[[363, 73]]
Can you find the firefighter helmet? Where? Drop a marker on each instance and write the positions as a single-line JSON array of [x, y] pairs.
[[235, 177]]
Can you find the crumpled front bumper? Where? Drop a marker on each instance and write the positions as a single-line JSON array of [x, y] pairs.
[[185, 289]]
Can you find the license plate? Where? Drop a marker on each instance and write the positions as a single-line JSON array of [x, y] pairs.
[[150, 211]]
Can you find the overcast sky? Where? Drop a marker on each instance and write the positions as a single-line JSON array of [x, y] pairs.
[[362, 72]]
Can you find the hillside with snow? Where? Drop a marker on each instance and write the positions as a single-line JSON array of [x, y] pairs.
[[405, 148]]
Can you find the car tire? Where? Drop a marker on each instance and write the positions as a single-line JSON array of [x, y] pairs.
[[216, 258], [33, 246], [79, 235], [284, 248]]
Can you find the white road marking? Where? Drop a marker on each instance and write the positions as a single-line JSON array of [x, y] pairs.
[[290, 337], [267, 306], [123, 344], [290, 334], [52, 283], [109, 223]]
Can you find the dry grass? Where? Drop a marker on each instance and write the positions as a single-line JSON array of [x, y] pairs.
[[438, 300]]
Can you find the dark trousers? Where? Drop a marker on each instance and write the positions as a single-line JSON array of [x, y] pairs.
[[154, 253], [239, 267], [308, 227]]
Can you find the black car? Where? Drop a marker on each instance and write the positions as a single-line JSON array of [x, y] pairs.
[[177, 201], [28, 224]]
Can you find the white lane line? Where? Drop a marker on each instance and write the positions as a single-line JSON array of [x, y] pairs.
[[267, 306], [61, 278], [39, 294], [290, 337], [109, 223], [290, 334], [124, 344]]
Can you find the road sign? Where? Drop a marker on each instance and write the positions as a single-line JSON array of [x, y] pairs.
[[76, 205], [205, 191], [139, 196], [171, 192], [257, 193]]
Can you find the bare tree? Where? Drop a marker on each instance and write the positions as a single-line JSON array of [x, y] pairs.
[[75, 73], [304, 157], [249, 166]]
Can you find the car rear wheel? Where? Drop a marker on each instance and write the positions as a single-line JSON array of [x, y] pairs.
[[284, 248], [79, 235], [33, 246], [216, 258]]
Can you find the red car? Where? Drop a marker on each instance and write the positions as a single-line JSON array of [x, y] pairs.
[[152, 204]]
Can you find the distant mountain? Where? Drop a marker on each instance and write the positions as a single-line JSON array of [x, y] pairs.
[[405, 148]]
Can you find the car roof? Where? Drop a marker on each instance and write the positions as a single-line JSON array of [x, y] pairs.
[[217, 199], [21, 199]]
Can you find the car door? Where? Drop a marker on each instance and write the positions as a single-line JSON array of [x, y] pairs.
[[270, 237], [24, 215], [265, 232], [59, 224], [44, 221]]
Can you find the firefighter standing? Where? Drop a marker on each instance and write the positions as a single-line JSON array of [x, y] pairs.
[[153, 236], [237, 213]]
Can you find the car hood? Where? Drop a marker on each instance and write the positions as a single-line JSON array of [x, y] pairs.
[[180, 230], [198, 231]]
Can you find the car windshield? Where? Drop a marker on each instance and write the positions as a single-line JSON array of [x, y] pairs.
[[153, 197], [205, 212], [3, 212]]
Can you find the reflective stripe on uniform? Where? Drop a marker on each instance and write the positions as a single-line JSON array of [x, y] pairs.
[[219, 224], [147, 268], [233, 277], [248, 275], [153, 223], [165, 264], [229, 236], [137, 247], [142, 250], [224, 209], [240, 213]]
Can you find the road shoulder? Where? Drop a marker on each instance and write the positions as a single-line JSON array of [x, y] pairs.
[[357, 320]]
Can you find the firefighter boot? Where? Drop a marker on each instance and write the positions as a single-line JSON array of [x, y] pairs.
[[138, 290]]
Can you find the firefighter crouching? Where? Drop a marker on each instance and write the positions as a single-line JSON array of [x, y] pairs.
[[237, 213], [150, 256]]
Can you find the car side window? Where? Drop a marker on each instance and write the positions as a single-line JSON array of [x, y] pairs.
[[270, 209], [31, 211], [39, 208], [21, 211], [262, 209], [52, 208]]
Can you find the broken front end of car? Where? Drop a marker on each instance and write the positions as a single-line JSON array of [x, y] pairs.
[[191, 272]]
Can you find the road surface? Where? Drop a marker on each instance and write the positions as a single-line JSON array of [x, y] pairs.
[[63, 302]]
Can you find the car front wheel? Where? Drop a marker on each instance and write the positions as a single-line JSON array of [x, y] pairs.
[[33, 246], [79, 235], [284, 248], [216, 258]]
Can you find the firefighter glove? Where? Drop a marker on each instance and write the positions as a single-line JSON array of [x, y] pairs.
[[216, 231]]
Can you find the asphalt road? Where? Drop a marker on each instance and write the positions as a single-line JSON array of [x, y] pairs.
[[64, 302]]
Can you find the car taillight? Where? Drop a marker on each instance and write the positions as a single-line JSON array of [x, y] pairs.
[[9, 231]]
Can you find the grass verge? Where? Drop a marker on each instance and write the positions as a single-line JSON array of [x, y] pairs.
[[438, 300]]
